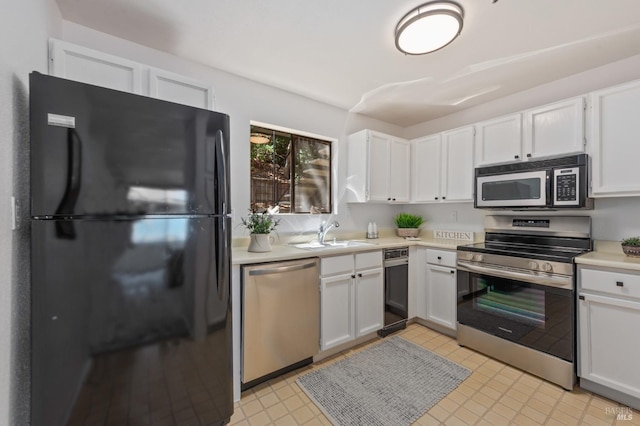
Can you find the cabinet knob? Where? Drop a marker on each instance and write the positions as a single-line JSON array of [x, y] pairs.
[[620, 283], [529, 155], [394, 199], [439, 257], [444, 198], [353, 276], [453, 272], [436, 198], [389, 199], [516, 156], [581, 297], [360, 275]]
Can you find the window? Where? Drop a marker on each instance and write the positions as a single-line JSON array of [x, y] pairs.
[[290, 173]]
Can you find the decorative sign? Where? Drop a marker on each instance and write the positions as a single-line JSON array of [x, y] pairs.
[[453, 235]]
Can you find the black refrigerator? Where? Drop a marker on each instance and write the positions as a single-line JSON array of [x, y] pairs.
[[130, 259]]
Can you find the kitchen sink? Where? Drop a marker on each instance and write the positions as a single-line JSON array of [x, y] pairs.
[[314, 245]]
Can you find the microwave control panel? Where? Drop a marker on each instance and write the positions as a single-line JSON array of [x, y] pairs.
[[567, 182]]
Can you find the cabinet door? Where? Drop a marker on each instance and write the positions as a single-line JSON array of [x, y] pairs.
[[378, 166], [369, 301], [177, 88], [499, 140], [614, 147], [426, 169], [457, 157], [93, 67], [399, 170], [441, 295], [337, 310], [554, 129], [608, 349]]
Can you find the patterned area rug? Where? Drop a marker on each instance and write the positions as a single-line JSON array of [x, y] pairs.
[[391, 383]]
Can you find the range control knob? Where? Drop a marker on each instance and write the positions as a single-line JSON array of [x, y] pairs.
[[547, 267], [533, 265], [478, 258]]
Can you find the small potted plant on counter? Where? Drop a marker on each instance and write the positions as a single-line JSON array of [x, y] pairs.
[[260, 225], [408, 225], [631, 246]]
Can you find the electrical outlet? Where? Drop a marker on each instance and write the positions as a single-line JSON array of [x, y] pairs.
[[454, 216]]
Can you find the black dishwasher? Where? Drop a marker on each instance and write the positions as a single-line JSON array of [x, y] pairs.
[[396, 282]]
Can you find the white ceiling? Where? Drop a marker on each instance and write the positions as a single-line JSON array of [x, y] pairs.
[[342, 52]]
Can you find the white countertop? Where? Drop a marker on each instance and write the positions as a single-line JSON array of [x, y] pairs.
[[609, 254], [284, 251]]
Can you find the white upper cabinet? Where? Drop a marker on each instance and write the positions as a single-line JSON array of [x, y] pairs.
[[549, 130], [90, 66], [457, 158], [177, 88], [378, 168], [555, 129], [613, 142], [399, 168], [499, 140], [425, 168], [443, 167]]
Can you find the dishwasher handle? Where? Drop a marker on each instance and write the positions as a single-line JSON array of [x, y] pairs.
[[280, 269]]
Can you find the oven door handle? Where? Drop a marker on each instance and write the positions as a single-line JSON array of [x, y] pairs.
[[560, 281]]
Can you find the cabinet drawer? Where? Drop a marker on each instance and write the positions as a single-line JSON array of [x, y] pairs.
[[336, 265], [610, 282], [369, 260], [441, 257]]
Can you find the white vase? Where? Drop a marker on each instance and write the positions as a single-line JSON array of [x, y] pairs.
[[259, 243]]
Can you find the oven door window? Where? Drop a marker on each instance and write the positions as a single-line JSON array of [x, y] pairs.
[[532, 315], [516, 189]]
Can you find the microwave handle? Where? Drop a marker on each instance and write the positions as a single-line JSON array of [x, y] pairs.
[[549, 187]]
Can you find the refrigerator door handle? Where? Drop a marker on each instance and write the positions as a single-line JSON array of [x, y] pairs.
[[223, 173], [74, 174], [222, 258]]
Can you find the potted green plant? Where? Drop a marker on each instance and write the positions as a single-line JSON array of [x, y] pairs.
[[631, 246], [260, 226], [408, 225]]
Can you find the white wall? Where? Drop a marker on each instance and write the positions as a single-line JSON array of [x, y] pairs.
[[24, 28], [245, 100], [612, 218]]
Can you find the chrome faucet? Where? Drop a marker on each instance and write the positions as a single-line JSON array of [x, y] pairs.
[[324, 228]]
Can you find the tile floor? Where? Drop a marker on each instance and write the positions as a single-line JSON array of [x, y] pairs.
[[494, 394]]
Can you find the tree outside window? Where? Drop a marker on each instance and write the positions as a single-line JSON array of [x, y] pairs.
[[289, 172]]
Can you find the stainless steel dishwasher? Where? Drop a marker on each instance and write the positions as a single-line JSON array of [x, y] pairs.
[[280, 318]]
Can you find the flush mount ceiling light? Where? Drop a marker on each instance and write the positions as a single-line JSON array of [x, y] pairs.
[[258, 138], [429, 27]]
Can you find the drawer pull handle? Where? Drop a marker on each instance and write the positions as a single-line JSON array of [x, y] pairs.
[[581, 297], [619, 283]]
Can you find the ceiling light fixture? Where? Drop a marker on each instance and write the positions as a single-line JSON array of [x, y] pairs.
[[429, 27], [258, 138]]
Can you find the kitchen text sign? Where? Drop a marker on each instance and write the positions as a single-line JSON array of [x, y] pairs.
[[453, 235]]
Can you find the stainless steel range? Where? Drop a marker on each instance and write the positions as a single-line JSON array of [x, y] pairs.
[[516, 293]]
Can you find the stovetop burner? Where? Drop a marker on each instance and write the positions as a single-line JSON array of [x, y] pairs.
[[555, 254], [545, 239]]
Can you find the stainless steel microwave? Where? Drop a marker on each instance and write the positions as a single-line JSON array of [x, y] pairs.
[[552, 183]]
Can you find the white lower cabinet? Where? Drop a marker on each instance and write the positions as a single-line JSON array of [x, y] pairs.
[[337, 310], [352, 297], [437, 289], [608, 320], [441, 295]]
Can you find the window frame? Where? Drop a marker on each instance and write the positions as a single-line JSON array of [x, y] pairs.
[[332, 161]]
